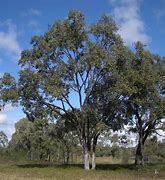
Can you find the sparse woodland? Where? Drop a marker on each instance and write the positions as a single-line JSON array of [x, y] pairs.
[[77, 83]]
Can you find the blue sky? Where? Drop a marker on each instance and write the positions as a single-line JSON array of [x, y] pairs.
[[21, 19]]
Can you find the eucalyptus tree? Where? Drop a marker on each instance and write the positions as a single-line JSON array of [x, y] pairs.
[[62, 70], [143, 96], [22, 138]]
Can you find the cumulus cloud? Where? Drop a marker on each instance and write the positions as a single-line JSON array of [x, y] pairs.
[[8, 39], [131, 26]]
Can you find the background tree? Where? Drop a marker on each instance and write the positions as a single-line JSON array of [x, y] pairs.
[[23, 136], [67, 140], [43, 140], [142, 97]]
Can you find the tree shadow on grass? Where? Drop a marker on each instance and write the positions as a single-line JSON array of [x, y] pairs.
[[113, 167], [45, 165]]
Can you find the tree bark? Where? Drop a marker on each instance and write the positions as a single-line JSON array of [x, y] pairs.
[[86, 158], [139, 159]]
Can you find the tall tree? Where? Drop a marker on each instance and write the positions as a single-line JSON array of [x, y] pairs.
[[62, 70]]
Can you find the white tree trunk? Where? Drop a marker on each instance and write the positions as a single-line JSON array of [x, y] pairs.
[[93, 160], [86, 159], [94, 151]]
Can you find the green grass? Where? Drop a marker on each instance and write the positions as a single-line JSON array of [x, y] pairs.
[[104, 171]]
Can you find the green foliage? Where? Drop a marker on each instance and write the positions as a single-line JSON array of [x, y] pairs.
[[3, 140], [154, 150], [44, 141], [8, 90]]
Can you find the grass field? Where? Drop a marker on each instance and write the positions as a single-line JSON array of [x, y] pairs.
[[105, 171]]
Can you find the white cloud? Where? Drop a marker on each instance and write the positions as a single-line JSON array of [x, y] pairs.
[[8, 128], [7, 108], [1, 74], [8, 117], [35, 12], [6, 123], [131, 26], [31, 12], [8, 39], [3, 118], [34, 26]]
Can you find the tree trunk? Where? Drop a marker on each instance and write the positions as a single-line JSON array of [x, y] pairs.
[[86, 146], [30, 155], [67, 156], [40, 156], [93, 160], [94, 152], [58, 155], [86, 158], [48, 158], [72, 157], [139, 160], [48, 155]]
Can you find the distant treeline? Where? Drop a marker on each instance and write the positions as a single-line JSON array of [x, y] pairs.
[[43, 142]]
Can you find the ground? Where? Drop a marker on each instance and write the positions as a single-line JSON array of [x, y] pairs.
[[10, 170]]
